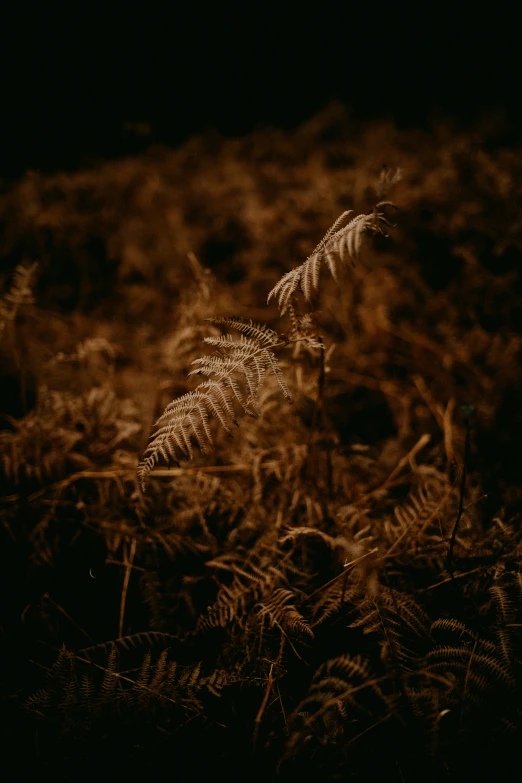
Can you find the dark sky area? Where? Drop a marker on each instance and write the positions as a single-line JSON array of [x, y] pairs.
[[72, 79]]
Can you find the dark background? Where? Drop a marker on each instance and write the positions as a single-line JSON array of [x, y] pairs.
[[73, 80]]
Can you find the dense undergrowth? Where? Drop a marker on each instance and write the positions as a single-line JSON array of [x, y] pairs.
[[333, 592]]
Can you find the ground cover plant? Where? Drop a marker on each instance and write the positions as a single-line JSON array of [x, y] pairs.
[[260, 497]]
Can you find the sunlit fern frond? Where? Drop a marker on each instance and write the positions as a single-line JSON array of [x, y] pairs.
[[235, 372], [341, 245]]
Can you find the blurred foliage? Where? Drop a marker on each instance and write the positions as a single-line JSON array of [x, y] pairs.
[[284, 602]]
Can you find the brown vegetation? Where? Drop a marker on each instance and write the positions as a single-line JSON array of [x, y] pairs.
[[340, 576]]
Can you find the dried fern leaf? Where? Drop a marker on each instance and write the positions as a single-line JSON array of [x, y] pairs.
[[234, 372], [341, 245]]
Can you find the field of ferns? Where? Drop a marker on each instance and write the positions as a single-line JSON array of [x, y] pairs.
[[315, 573]]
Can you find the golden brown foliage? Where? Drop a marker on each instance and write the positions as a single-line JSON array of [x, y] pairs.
[[288, 593]]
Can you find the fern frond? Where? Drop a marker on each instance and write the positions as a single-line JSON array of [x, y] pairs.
[[283, 613], [477, 663], [235, 372], [342, 594], [505, 644], [401, 623], [505, 608], [260, 332], [134, 641], [450, 625], [234, 601], [341, 245], [455, 658], [400, 610], [77, 696], [110, 678], [344, 693], [285, 290]]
